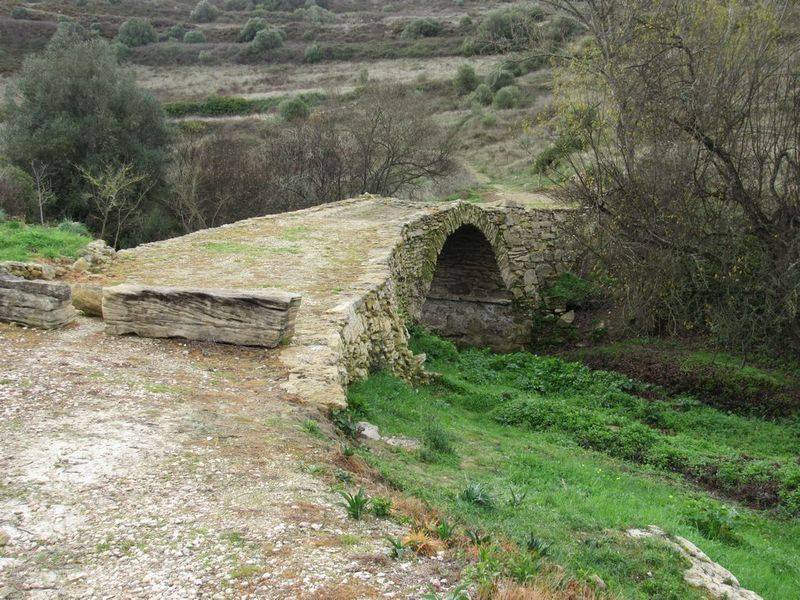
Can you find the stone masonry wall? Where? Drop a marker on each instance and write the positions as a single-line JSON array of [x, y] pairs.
[[527, 250]]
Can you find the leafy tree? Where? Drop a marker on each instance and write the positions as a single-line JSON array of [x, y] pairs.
[[73, 108], [17, 191], [136, 32]]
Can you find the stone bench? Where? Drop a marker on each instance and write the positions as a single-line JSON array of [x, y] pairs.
[[44, 304], [247, 318]]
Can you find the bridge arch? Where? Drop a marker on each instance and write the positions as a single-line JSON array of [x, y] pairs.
[[452, 274]]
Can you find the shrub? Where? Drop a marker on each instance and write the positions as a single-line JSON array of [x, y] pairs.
[[313, 54], [500, 78], [714, 520], [497, 25], [420, 28], [465, 23], [17, 192], [267, 39], [74, 227], [176, 32], [573, 291], [237, 5], [20, 12], [507, 97], [466, 80], [381, 506], [482, 95], [251, 28], [293, 109], [194, 37], [204, 12], [136, 32], [3, 215]]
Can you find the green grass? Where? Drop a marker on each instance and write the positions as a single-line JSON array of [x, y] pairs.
[[579, 495], [32, 242]]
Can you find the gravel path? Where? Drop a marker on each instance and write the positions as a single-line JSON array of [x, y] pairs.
[[136, 468]]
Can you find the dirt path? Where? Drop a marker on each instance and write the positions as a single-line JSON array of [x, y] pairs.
[[144, 468]]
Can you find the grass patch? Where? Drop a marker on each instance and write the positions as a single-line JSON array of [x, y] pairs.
[[556, 452], [22, 242], [719, 379]]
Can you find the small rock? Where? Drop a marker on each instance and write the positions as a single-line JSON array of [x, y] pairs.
[[568, 318], [81, 265], [368, 430]]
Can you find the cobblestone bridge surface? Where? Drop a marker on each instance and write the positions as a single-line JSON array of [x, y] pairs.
[[365, 267]]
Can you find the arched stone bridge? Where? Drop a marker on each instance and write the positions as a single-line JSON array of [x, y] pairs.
[[365, 267]]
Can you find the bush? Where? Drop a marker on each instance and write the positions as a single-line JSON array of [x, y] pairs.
[[176, 32], [420, 28], [500, 78], [497, 25], [136, 32], [268, 39], [482, 95], [465, 23], [237, 5], [313, 54], [20, 12], [507, 97], [74, 227], [466, 80], [3, 215], [194, 37], [204, 12], [714, 520], [251, 28], [293, 109], [17, 192]]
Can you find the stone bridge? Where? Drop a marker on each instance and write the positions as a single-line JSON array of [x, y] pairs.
[[365, 268]]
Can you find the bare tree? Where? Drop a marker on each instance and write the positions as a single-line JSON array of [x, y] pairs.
[[44, 192], [382, 144], [692, 168], [114, 196]]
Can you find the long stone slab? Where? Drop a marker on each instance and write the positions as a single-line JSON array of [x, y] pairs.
[[244, 317], [44, 304]]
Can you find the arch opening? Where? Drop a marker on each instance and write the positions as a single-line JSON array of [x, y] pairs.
[[468, 302]]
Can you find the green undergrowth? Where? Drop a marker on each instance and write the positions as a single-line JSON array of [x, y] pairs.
[[22, 242], [574, 457], [223, 106], [728, 382]]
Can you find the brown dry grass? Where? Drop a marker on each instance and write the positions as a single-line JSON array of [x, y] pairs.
[[542, 590]]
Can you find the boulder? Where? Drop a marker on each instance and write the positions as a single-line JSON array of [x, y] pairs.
[[27, 270], [44, 304], [96, 255], [247, 318], [88, 298]]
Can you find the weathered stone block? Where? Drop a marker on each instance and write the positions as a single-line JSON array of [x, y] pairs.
[[88, 298], [27, 270], [44, 304], [248, 318]]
